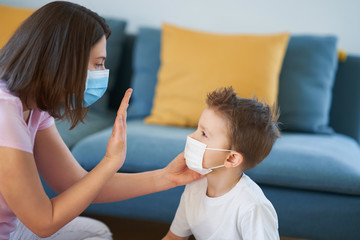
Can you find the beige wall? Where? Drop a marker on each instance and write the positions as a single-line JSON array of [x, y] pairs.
[[341, 18]]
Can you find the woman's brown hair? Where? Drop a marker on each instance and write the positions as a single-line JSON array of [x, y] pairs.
[[45, 62], [252, 125]]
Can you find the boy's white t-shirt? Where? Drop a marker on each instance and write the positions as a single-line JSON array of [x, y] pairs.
[[242, 213]]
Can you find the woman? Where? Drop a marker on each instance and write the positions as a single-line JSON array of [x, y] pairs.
[[53, 67]]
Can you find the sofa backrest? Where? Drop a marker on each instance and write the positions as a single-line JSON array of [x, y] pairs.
[[345, 108], [344, 114]]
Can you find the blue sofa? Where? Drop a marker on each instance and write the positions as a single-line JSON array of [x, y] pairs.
[[312, 175]]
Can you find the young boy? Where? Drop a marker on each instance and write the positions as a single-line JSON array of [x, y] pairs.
[[234, 134]]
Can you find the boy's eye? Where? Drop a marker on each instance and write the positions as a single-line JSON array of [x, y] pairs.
[[203, 134], [98, 65]]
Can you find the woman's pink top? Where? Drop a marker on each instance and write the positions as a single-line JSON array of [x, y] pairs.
[[15, 133]]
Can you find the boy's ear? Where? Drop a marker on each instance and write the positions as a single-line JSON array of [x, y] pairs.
[[234, 159]]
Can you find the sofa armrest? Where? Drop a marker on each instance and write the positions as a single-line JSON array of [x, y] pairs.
[[345, 109]]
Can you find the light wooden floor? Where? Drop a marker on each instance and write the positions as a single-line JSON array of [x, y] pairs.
[[134, 229]]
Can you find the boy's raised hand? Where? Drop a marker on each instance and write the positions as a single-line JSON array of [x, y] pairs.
[[116, 148]]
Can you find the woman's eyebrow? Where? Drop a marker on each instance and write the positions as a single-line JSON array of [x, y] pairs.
[[102, 57]]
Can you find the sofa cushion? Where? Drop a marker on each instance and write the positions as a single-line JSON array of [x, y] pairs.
[[306, 82], [312, 161], [146, 63], [304, 161], [93, 122]]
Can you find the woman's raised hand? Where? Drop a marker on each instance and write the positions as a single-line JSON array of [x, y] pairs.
[[116, 148]]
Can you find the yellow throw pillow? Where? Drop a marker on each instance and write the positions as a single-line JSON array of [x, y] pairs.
[[10, 19], [194, 63]]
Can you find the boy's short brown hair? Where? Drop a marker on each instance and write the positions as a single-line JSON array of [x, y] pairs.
[[252, 125]]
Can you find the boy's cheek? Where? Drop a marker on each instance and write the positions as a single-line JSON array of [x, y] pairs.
[[213, 158], [208, 159]]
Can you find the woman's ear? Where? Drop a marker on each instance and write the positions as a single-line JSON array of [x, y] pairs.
[[234, 159]]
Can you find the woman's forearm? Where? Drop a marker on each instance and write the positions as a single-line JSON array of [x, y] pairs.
[[26, 198], [82, 193], [129, 185], [72, 202]]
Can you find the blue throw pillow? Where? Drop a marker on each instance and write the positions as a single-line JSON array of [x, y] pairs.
[[146, 65], [306, 82]]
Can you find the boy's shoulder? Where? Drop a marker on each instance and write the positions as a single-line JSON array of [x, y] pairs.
[[256, 208], [251, 195], [244, 196], [251, 186]]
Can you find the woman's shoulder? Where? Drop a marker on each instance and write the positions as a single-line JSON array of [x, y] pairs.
[[7, 98], [11, 108]]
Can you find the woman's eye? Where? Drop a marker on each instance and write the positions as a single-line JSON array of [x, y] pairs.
[[99, 66]]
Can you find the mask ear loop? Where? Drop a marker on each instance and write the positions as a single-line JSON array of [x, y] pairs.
[[216, 167], [218, 149]]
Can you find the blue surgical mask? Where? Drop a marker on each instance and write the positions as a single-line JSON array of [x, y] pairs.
[[96, 85]]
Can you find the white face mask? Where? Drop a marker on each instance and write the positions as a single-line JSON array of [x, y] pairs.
[[194, 155]]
